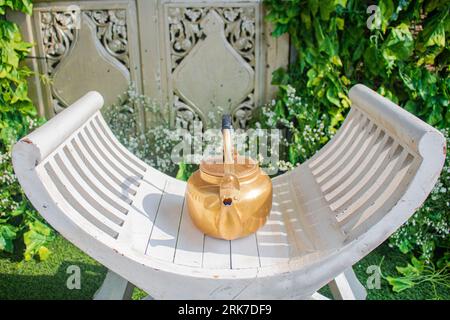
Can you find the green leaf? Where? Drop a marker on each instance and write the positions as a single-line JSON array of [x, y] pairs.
[[435, 116], [386, 12], [182, 173], [408, 271], [336, 61], [411, 106], [400, 284], [313, 6], [293, 153], [279, 30], [326, 8], [8, 234], [332, 96], [404, 246], [436, 37], [43, 253], [340, 23], [280, 77], [38, 235], [418, 264], [306, 19], [399, 45]]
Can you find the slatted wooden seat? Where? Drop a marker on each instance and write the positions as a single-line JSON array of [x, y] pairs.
[[327, 214]]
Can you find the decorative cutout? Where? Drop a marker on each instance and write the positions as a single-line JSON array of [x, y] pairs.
[[59, 35], [187, 29], [112, 32], [213, 73], [86, 67]]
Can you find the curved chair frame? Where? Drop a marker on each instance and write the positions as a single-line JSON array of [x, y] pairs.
[[327, 214]]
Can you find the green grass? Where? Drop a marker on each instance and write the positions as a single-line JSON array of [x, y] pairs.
[[47, 279]]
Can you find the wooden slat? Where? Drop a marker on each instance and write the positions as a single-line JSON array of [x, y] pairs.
[[164, 234], [341, 135], [385, 196], [79, 204], [123, 151], [100, 172], [216, 254], [374, 158], [141, 217], [367, 180], [348, 154], [155, 178], [273, 243], [244, 253], [121, 171], [136, 171], [354, 162], [86, 192], [279, 239], [370, 192], [341, 148], [123, 183], [189, 249], [94, 183]]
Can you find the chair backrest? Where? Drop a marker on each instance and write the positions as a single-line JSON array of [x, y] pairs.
[[379, 168], [75, 172]]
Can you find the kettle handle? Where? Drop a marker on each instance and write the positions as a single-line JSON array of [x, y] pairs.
[[229, 186]]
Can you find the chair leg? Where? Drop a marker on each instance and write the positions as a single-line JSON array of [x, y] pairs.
[[346, 286], [114, 288], [318, 296]]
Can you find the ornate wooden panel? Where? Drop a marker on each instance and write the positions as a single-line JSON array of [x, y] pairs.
[[213, 58], [83, 46], [191, 56]]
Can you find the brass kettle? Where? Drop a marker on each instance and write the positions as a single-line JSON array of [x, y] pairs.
[[229, 198]]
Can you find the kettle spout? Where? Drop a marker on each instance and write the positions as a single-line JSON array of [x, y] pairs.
[[229, 190]]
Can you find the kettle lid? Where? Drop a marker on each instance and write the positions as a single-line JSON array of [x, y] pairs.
[[243, 166]]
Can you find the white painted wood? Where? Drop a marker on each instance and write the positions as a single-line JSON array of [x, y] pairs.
[[133, 168], [125, 183], [244, 252], [100, 170], [346, 286], [164, 233], [301, 248], [216, 253], [114, 287], [122, 172], [140, 219], [119, 147], [65, 124], [318, 296], [86, 192], [69, 193], [189, 249], [94, 180]]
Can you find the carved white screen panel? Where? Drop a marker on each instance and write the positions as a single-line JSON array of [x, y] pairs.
[[84, 46], [191, 56], [213, 58]]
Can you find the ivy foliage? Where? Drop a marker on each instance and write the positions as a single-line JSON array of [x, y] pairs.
[[19, 222], [400, 48]]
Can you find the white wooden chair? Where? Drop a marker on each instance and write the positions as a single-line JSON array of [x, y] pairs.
[[327, 214]]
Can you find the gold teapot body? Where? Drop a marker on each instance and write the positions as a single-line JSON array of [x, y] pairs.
[[229, 199]]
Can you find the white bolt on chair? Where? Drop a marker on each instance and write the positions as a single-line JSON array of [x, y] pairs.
[[327, 214]]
